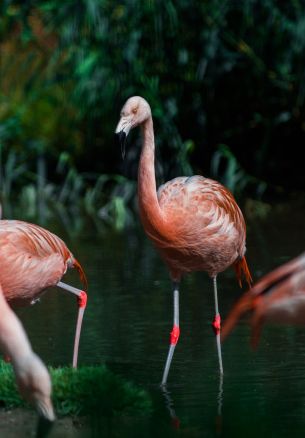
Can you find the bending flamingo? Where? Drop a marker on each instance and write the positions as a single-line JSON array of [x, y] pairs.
[[278, 297], [32, 259], [32, 377], [193, 221]]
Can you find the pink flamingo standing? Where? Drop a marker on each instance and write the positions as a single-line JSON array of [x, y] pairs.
[[193, 221], [278, 297], [32, 377], [32, 259]]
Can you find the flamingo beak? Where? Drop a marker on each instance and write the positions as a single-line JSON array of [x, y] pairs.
[[122, 140], [44, 427], [122, 131]]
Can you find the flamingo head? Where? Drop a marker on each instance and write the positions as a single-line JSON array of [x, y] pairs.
[[135, 111], [34, 385]]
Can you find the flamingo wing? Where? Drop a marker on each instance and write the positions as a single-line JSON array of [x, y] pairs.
[[202, 199], [204, 218], [31, 259]]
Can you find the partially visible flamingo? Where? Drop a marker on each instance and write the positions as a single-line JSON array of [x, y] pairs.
[[32, 259], [32, 377], [193, 221], [278, 297]]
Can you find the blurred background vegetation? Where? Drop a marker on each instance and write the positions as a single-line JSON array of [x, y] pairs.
[[225, 80]]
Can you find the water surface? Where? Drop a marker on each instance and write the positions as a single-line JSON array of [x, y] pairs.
[[127, 325]]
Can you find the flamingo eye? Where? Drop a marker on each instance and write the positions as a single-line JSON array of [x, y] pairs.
[[134, 110]]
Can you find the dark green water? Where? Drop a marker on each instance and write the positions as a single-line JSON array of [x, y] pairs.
[[127, 325]]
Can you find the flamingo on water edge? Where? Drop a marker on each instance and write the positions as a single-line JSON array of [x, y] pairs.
[[32, 259], [278, 297], [32, 377], [194, 222]]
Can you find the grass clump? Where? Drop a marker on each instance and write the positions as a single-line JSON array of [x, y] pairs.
[[82, 392]]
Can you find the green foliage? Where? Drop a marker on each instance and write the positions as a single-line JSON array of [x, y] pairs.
[[104, 199], [233, 176], [8, 390], [215, 72], [83, 391]]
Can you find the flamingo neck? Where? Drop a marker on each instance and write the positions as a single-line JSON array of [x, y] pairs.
[[150, 211], [13, 340]]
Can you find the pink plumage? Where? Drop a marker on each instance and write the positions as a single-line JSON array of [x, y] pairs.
[[278, 297], [33, 259], [194, 222], [32, 376]]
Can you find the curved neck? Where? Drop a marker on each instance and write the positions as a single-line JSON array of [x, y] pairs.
[[13, 339], [150, 211]]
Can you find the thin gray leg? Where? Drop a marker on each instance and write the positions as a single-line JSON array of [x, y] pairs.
[[82, 302], [174, 336], [217, 325]]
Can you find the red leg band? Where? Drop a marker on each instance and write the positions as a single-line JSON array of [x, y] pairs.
[[82, 299], [216, 324], [174, 335], [176, 422]]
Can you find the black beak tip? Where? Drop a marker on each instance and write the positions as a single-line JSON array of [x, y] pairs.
[[44, 427], [122, 140]]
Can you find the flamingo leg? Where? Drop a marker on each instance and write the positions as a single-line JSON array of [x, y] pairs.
[[82, 302], [174, 336], [217, 326]]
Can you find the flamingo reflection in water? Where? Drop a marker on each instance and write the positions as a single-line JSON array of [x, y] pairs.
[[175, 420], [194, 222]]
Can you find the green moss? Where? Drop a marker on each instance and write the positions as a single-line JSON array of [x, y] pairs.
[[82, 391]]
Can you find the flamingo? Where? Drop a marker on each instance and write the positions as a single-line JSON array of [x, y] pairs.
[[32, 259], [194, 222], [278, 297], [32, 377]]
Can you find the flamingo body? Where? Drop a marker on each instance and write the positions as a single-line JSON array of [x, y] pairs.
[[206, 228], [193, 221], [31, 260], [279, 297]]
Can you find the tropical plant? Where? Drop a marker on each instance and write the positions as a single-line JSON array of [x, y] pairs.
[[215, 72]]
